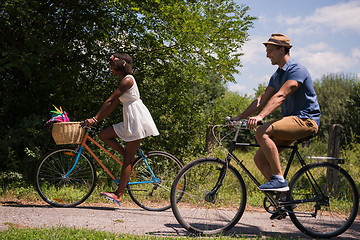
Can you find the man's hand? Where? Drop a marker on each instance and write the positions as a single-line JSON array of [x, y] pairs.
[[253, 122]]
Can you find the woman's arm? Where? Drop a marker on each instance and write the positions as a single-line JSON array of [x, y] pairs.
[[112, 102]]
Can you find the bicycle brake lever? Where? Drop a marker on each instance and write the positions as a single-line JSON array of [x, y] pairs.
[[229, 122], [83, 125]]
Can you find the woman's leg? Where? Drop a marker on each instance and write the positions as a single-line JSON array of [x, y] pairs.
[[108, 136], [129, 157]]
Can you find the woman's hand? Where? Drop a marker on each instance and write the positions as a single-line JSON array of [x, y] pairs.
[[90, 122]]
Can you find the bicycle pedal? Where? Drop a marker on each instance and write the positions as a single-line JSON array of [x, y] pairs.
[[278, 216]]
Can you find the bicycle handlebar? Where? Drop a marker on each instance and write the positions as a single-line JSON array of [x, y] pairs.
[[242, 122], [86, 127]]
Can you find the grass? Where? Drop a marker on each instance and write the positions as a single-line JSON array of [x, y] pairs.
[[13, 187], [60, 233]]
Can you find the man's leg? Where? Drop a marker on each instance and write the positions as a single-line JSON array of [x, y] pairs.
[[262, 164], [267, 159], [261, 161], [268, 148]]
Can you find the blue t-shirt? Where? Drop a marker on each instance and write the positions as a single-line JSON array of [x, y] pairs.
[[302, 103]]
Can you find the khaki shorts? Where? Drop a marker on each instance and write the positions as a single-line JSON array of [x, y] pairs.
[[293, 128]]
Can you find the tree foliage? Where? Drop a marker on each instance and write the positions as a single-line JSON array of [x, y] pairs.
[[337, 95], [56, 52]]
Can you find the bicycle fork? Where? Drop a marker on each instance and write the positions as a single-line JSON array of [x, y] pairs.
[[211, 195], [75, 163]]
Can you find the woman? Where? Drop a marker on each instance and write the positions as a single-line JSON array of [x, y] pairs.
[[137, 121]]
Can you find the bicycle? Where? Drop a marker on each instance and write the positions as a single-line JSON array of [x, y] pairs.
[[322, 201], [66, 177]]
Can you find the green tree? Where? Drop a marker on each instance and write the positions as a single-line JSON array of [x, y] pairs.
[[229, 105], [352, 122], [55, 52], [337, 98]]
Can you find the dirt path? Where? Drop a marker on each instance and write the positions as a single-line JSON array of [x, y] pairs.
[[133, 220]]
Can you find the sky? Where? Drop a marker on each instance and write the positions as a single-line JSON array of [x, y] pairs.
[[325, 35]]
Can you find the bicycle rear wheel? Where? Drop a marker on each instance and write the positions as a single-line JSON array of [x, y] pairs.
[[327, 200], [60, 190], [200, 210], [151, 193]]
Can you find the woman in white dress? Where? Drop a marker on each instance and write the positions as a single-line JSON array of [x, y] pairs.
[[137, 121]]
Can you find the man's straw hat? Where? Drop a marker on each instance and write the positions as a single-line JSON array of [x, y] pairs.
[[279, 39]]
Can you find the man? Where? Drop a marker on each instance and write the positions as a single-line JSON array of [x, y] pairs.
[[291, 88]]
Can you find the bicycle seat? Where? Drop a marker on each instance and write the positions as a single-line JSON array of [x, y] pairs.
[[304, 139]]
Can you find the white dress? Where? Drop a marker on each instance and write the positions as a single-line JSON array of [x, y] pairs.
[[138, 122]]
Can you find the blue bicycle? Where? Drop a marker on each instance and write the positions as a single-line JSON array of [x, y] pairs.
[[66, 177]]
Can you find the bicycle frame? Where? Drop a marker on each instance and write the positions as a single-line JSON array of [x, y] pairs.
[[291, 159], [83, 146]]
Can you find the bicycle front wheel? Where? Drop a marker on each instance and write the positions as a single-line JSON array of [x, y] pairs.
[[327, 200], [150, 182], [207, 206], [56, 186]]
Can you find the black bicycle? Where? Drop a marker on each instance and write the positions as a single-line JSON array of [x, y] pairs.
[[322, 201]]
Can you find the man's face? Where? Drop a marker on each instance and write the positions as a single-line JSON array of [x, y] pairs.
[[274, 53]]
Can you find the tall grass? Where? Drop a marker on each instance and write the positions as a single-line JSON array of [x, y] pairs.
[[13, 186]]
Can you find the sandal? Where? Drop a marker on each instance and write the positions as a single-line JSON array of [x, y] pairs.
[[110, 198]]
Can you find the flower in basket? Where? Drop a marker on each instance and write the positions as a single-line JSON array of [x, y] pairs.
[[57, 116]]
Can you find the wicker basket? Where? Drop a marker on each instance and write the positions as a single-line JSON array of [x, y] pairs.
[[67, 133]]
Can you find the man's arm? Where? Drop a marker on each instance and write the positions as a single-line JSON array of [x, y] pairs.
[[257, 104], [289, 87]]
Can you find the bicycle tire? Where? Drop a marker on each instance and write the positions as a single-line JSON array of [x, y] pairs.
[[203, 214], [58, 190], [334, 215], [153, 196]]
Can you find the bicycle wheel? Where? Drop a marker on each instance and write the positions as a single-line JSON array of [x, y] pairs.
[[60, 190], [327, 200], [202, 211], [151, 193]]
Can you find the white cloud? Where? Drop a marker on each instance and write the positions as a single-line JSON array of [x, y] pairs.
[[254, 50], [341, 17], [355, 53], [321, 59], [288, 20], [236, 87]]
